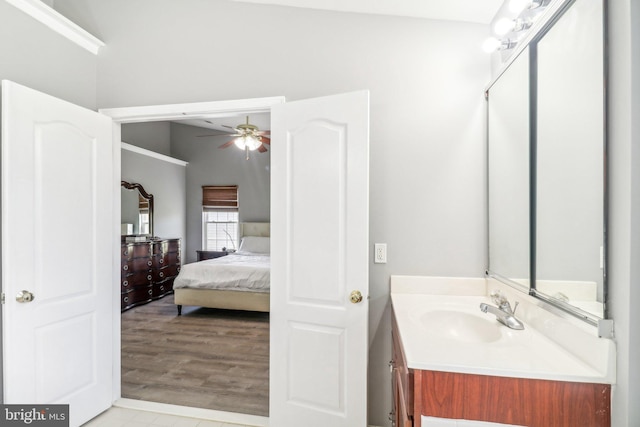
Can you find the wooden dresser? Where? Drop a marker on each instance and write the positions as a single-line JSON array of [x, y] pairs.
[[148, 270]]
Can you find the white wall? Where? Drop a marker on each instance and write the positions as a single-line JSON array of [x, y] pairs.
[[426, 78], [32, 55], [209, 165], [153, 136]]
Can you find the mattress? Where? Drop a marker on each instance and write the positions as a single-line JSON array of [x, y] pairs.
[[240, 271]]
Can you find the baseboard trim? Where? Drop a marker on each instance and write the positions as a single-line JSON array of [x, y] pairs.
[[185, 411]]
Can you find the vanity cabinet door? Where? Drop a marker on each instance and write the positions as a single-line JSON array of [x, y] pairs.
[[402, 384], [513, 401], [402, 418]]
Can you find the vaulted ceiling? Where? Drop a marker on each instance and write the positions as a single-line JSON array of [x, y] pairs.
[[478, 11]]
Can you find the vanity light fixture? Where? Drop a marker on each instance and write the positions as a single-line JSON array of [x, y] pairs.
[[492, 44], [525, 13], [505, 26], [518, 6]]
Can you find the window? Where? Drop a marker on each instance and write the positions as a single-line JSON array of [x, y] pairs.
[[143, 215], [219, 218]]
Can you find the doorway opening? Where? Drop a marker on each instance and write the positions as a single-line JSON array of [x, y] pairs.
[[178, 112]]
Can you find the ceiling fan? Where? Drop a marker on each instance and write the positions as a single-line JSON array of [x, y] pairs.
[[247, 137]]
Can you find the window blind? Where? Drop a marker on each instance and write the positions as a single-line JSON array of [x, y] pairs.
[[220, 196]]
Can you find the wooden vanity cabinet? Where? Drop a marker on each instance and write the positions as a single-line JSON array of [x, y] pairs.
[[402, 385], [519, 401], [148, 270]]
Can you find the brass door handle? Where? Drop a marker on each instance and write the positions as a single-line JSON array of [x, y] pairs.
[[355, 297], [25, 296]]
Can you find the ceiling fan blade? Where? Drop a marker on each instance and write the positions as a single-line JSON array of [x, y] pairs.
[[227, 144], [265, 140], [262, 148], [219, 134], [263, 132]]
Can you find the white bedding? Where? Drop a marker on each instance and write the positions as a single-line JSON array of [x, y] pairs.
[[241, 271]]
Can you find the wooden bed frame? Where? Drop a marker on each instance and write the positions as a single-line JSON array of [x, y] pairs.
[[225, 299]]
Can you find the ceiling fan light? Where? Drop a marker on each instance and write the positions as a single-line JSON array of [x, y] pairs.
[[240, 143], [247, 142], [252, 143]]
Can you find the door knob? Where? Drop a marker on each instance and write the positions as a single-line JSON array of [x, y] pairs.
[[355, 297], [24, 296]]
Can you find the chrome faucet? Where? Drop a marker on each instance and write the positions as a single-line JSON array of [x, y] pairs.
[[503, 312]]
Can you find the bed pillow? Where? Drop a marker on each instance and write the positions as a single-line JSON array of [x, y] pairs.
[[255, 244]]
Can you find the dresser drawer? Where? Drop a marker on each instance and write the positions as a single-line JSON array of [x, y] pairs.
[[137, 264], [136, 296], [166, 246], [162, 288], [133, 250], [139, 278], [164, 273], [166, 259]]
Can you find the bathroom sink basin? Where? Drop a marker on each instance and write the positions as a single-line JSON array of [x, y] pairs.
[[460, 326], [449, 333]]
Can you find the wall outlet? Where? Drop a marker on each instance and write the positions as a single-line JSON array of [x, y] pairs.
[[380, 253]]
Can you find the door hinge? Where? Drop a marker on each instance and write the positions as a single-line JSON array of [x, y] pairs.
[[2, 302]]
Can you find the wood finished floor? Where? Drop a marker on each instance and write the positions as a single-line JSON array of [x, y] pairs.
[[206, 358]]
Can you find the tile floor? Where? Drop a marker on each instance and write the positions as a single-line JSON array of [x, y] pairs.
[[125, 417]]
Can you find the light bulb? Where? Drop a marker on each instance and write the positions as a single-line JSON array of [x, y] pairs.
[[504, 26], [240, 142], [517, 6], [534, 4], [252, 143], [491, 44]]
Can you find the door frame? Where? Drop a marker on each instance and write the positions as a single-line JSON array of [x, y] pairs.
[[155, 113]]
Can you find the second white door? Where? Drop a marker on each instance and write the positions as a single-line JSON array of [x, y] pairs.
[[319, 271]]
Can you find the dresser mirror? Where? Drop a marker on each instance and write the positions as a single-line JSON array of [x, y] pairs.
[[136, 209], [551, 99]]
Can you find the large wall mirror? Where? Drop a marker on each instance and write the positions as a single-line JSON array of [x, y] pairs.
[[508, 158], [547, 120], [136, 209]]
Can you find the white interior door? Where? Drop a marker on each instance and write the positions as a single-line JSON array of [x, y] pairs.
[[57, 243], [319, 229]]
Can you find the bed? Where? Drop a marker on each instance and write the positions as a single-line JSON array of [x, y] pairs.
[[238, 281]]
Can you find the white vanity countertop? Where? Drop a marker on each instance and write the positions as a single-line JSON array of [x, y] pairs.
[[448, 332]]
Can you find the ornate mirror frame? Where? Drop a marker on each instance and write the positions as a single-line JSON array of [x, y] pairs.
[[143, 193]]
